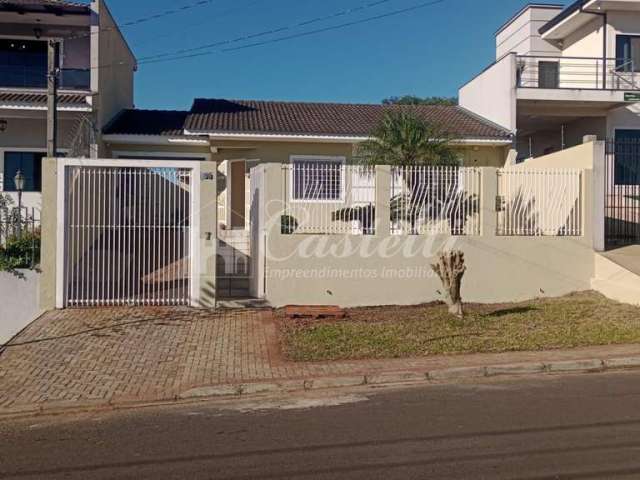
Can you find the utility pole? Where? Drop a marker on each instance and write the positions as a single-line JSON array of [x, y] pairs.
[[52, 98]]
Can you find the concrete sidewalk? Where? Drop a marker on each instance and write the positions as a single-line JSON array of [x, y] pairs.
[[75, 359]]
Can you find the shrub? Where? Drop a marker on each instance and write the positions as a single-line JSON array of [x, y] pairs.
[[21, 252]]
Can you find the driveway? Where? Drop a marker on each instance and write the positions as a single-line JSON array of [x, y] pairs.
[[123, 354]]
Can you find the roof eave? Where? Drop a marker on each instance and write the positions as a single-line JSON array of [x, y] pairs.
[[315, 138]]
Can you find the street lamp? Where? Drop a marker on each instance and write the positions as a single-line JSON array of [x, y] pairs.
[[18, 180]]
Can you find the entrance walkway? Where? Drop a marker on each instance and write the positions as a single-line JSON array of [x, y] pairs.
[[627, 257]]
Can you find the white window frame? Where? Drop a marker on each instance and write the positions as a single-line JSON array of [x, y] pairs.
[[320, 158]]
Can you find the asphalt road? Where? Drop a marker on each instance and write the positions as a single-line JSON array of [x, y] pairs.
[[579, 427]]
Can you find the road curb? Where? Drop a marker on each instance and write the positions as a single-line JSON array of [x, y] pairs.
[[413, 377]]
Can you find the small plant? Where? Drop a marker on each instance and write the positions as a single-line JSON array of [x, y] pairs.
[[21, 252], [288, 224], [450, 268]]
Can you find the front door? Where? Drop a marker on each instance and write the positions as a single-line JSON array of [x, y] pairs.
[[237, 202]]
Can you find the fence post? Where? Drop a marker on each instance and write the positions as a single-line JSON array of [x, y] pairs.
[[50, 251], [488, 195], [598, 193], [208, 233], [383, 201], [273, 199]]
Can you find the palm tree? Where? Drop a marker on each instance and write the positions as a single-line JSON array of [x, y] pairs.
[[402, 139]]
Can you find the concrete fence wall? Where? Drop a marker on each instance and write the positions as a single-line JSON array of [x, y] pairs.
[[383, 269], [19, 302]]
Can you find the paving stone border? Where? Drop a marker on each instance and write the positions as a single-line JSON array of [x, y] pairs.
[[437, 376]]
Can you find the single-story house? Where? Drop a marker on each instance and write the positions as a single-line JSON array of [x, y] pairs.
[[239, 134]]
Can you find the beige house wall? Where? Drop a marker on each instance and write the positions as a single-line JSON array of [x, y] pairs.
[[113, 66], [260, 152], [30, 134], [581, 156]]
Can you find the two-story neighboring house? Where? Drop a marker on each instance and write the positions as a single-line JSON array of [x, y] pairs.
[[562, 73], [95, 83]]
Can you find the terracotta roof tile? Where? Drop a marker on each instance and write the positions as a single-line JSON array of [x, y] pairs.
[[148, 122], [296, 118]]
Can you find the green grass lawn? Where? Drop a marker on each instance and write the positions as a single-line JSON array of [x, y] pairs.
[[577, 320]]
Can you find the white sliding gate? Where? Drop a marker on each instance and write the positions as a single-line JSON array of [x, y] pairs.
[[129, 231]]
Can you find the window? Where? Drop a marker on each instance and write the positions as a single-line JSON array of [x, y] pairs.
[[29, 163], [548, 74], [317, 178], [23, 63], [627, 150], [628, 53]]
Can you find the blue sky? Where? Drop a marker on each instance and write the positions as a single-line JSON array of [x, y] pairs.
[[427, 52]]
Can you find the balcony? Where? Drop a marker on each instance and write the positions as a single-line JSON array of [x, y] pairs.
[[35, 77], [576, 73]]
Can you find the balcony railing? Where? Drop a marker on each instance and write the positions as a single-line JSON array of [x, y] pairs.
[[586, 73], [12, 76]]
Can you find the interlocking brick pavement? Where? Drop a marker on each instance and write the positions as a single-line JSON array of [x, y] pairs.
[[141, 354], [154, 354]]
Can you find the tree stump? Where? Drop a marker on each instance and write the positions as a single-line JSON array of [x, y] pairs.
[[450, 268]]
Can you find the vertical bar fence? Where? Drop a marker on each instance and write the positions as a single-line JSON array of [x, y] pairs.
[[325, 198], [540, 202], [429, 200], [127, 236]]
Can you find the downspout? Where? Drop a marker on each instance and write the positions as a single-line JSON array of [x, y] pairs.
[[604, 43]]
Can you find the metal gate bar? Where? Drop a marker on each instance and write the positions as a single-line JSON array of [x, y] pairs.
[[622, 192], [128, 235]]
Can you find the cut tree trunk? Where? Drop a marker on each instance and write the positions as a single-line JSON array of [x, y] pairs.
[[450, 268]]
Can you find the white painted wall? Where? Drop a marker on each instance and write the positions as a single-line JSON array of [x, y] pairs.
[[492, 94], [521, 35], [18, 302]]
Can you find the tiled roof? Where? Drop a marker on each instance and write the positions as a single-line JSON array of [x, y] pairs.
[[40, 99], [148, 122], [294, 118]]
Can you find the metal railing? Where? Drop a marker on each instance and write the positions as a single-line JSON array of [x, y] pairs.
[[14, 76], [435, 200], [576, 73], [539, 202], [328, 198], [15, 223]]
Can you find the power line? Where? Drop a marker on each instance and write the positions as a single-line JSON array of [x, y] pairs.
[[218, 15], [146, 19], [341, 13], [392, 13]]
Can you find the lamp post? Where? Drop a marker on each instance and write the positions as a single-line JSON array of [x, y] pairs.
[[18, 180]]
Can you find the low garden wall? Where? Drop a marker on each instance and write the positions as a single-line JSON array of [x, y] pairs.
[[383, 268], [19, 301]]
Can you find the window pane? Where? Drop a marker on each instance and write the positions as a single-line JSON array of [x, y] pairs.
[[623, 52], [317, 180], [635, 54], [29, 163], [23, 63], [626, 152]]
